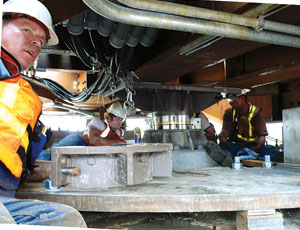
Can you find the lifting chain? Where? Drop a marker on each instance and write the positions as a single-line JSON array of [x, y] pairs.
[[128, 82], [112, 88]]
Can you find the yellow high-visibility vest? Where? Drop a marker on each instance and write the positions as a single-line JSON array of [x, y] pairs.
[[252, 110]]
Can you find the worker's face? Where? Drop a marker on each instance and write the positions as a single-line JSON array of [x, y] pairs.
[[23, 39], [116, 122], [235, 102]]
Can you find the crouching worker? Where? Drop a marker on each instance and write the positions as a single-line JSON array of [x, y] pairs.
[[244, 131], [97, 133], [106, 132], [27, 26]]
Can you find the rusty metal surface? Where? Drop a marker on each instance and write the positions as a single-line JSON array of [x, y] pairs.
[[207, 190]]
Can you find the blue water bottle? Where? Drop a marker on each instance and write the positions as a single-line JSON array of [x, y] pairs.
[[137, 135]]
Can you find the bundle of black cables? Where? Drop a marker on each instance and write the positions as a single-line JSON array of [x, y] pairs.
[[97, 88]]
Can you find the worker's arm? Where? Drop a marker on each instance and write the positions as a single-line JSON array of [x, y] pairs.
[[228, 126], [259, 143], [261, 131], [223, 135], [41, 171], [95, 139], [210, 134]]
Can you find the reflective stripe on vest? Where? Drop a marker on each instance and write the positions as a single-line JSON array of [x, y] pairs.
[[19, 108], [107, 132], [250, 116]]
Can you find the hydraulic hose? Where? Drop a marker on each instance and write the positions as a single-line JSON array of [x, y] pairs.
[[97, 44]]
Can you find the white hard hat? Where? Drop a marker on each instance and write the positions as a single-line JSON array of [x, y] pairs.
[[117, 110], [34, 9], [243, 92]]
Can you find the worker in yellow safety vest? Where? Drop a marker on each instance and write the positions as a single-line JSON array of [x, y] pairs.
[[244, 130], [26, 28]]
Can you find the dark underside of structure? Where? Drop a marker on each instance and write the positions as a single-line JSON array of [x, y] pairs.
[[254, 46]]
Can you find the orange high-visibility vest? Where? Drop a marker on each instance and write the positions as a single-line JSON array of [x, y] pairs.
[[20, 107], [105, 133]]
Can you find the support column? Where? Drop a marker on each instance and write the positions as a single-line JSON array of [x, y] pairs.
[[259, 220]]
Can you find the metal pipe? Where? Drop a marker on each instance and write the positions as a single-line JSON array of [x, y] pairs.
[[163, 21], [207, 14], [134, 36], [118, 37], [75, 25], [149, 37], [91, 20], [207, 40], [67, 107], [105, 26]]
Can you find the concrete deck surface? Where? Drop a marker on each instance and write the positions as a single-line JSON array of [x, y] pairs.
[[208, 190]]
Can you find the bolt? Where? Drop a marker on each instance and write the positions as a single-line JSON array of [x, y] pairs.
[[267, 163], [237, 160], [237, 165]]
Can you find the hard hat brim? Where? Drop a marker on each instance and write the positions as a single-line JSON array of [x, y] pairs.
[[53, 40]]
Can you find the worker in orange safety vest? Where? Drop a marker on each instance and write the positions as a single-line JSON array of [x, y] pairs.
[[107, 132], [27, 27], [97, 132]]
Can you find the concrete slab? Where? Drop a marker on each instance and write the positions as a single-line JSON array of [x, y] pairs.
[[206, 190], [188, 160], [291, 135]]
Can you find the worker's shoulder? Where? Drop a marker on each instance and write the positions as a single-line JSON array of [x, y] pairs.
[[96, 122], [228, 111], [257, 110]]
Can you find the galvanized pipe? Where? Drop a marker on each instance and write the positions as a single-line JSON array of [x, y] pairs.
[[207, 14], [207, 40], [171, 22]]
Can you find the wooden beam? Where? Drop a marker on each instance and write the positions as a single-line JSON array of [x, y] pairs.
[[215, 73], [281, 73], [216, 111], [255, 163], [264, 102], [171, 64]]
